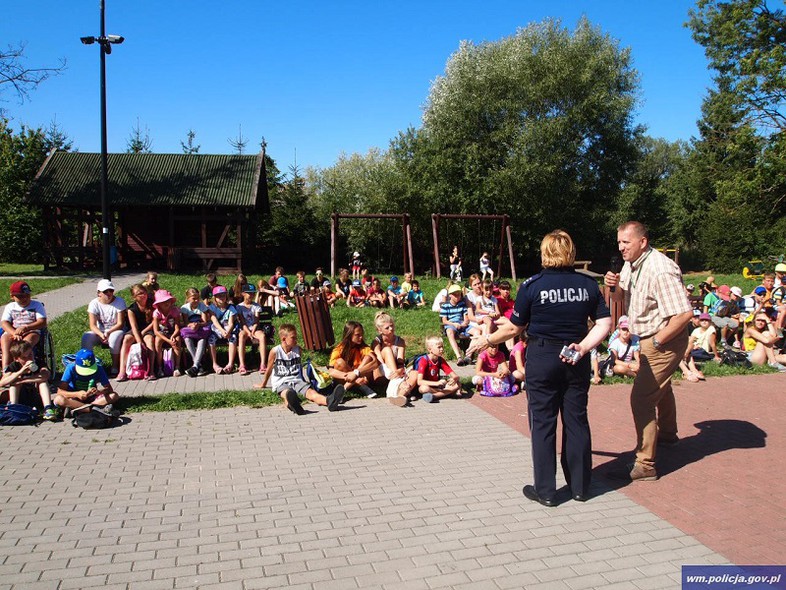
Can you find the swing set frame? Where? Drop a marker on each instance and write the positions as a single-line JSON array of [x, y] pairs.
[[437, 218], [406, 230]]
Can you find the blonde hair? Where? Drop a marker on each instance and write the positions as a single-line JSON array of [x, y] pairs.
[[191, 291], [432, 340], [382, 318], [557, 250], [287, 329]]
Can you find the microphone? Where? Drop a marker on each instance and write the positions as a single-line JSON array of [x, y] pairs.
[[616, 267]]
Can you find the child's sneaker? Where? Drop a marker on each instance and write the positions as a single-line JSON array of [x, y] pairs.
[[428, 398], [293, 402], [335, 398], [51, 414], [192, 371]]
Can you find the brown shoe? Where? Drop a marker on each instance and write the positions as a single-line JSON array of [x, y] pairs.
[[643, 473]]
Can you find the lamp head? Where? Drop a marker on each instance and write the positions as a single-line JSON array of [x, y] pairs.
[[87, 40]]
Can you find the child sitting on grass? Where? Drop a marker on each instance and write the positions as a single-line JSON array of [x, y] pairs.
[[429, 369], [23, 370], [285, 366], [492, 375], [352, 361]]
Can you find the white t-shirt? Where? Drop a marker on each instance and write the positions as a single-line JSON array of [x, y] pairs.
[[703, 338], [287, 367], [619, 347], [20, 316], [106, 313], [193, 315]]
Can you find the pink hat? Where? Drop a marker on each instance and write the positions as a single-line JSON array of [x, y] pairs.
[[161, 296], [624, 324], [724, 292], [705, 316], [219, 290]]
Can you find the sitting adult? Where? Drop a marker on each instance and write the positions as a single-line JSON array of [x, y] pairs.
[[760, 337], [343, 284], [352, 361], [107, 316]]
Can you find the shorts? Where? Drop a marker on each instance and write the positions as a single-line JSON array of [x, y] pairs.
[[725, 322], [460, 332], [216, 338], [299, 385]]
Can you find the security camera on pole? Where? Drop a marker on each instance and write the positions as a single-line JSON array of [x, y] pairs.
[[105, 42]]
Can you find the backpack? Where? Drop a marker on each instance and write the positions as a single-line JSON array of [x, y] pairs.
[[17, 415], [726, 309], [496, 387], [169, 363], [734, 358], [92, 419], [137, 366], [319, 379]]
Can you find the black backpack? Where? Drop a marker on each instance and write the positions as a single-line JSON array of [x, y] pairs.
[[93, 419], [734, 358]]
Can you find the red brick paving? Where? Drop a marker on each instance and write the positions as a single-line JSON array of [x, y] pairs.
[[724, 484]]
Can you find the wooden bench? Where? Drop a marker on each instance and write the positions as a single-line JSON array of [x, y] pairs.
[[206, 256]]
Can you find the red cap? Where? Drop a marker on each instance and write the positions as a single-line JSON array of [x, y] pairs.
[[724, 292], [20, 288]]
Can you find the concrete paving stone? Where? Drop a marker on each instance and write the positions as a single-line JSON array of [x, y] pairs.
[[407, 585], [447, 580], [86, 582], [196, 581], [516, 581], [586, 582]]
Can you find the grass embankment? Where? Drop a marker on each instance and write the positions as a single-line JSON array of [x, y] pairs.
[[412, 325]]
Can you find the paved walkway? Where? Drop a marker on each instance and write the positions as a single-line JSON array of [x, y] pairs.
[[375, 496], [65, 299]]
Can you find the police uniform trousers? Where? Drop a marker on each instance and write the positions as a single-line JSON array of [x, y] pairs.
[[554, 387]]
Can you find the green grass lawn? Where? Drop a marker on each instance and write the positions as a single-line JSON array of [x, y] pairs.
[[37, 286], [11, 269], [413, 325]]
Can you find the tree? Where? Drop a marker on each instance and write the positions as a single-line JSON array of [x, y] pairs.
[[188, 145], [538, 125], [21, 155], [139, 141], [18, 76], [238, 143], [744, 41]]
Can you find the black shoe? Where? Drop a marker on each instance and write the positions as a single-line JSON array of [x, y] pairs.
[[293, 402], [531, 494], [335, 398], [580, 497], [192, 371], [462, 362]]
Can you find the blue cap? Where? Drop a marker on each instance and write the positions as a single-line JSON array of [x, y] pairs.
[[249, 288], [86, 362], [282, 282], [760, 290], [394, 279], [356, 283]]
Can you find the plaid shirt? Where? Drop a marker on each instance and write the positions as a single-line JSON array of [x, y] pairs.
[[653, 292]]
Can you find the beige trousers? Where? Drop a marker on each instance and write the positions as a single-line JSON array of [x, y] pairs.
[[652, 398]]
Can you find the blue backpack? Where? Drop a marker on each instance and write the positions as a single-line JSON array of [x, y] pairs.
[[17, 415]]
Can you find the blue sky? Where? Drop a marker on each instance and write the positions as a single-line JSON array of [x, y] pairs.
[[314, 78]]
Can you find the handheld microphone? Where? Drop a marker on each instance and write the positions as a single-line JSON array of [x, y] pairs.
[[616, 267]]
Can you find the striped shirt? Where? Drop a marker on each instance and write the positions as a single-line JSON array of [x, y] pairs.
[[653, 292]]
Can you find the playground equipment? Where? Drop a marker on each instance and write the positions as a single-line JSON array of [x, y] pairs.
[[437, 218]]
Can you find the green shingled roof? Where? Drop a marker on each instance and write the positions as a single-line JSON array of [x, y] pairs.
[[72, 179]]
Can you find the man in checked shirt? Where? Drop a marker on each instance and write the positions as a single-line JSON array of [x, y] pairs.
[[658, 310]]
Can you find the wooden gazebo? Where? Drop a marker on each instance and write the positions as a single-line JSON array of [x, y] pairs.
[[169, 211]]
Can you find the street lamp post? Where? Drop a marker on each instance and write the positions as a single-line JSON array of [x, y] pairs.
[[105, 43]]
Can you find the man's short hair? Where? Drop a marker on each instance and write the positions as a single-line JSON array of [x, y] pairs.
[[211, 277], [637, 227]]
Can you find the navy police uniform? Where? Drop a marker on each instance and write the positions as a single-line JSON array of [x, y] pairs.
[[556, 304]]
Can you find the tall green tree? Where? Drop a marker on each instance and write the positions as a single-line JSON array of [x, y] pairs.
[[22, 153], [538, 125], [744, 41]]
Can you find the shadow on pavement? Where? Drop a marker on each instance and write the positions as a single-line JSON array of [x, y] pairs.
[[714, 436]]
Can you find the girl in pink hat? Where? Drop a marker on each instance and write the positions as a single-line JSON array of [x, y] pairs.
[[166, 327]]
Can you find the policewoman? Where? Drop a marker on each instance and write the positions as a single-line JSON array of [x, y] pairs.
[[554, 306]]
